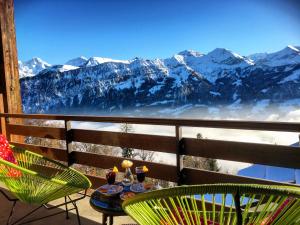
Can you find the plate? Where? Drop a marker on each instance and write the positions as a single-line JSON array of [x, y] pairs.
[[110, 189], [138, 188], [126, 195]]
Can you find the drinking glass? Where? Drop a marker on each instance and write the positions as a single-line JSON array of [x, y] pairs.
[[110, 176], [140, 174]]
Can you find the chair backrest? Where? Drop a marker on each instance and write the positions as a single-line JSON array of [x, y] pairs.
[[37, 179], [217, 204]]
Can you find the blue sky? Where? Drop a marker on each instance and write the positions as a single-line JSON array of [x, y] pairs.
[[58, 30]]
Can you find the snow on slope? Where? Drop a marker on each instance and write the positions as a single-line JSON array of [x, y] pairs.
[[213, 65], [67, 68], [79, 61], [293, 77], [286, 56], [94, 61], [32, 67]]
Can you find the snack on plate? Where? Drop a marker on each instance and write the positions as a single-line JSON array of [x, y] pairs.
[[110, 189], [126, 164], [127, 195], [148, 186]]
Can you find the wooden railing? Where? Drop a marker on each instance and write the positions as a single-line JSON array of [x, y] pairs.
[[266, 154]]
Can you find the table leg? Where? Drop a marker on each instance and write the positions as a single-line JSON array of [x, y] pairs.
[[111, 220], [104, 219]]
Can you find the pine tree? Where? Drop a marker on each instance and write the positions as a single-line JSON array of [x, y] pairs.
[[127, 152]]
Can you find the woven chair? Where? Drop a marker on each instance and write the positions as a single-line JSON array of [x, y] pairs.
[[217, 204], [38, 180]]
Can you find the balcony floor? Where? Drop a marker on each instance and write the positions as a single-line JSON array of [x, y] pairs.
[[88, 215]]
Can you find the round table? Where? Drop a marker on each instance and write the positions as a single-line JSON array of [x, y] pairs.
[[110, 206]]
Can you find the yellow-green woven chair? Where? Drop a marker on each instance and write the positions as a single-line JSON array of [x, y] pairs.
[[38, 180], [217, 204]]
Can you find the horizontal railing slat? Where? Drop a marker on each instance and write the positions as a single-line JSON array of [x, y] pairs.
[[266, 154], [96, 181], [36, 131], [156, 170], [129, 140], [225, 124], [199, 176], [52, 153]]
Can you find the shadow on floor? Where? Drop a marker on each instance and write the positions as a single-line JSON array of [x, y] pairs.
[[88, 215]]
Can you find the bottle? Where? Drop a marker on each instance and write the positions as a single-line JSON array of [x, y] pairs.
[[128, 177]]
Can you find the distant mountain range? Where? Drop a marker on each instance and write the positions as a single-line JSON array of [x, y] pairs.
[[183, 82]]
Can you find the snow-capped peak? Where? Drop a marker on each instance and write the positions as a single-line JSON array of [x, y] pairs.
[[221, 54], [32, 67], [79, 61], [188, 53], [288, 55], [94, 61], [225, 57], [35, 62], [294, 48]]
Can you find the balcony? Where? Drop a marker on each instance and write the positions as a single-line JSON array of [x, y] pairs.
[[57, 137], [61, 129]]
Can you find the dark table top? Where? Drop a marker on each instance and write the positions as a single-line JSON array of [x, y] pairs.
[[109, 205]]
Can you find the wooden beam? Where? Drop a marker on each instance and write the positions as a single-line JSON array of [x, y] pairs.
[[222, 124], [199, 176], [36, 131], [266, 154], [9, 72], [129, 140]]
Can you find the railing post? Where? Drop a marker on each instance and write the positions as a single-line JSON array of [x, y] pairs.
[[179, 155], [2, 119], [69, 139]]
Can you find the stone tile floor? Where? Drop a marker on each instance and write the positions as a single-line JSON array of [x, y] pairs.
[[87, 214]]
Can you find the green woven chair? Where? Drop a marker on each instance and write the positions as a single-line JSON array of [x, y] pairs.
[[217, 204], [38, 180]]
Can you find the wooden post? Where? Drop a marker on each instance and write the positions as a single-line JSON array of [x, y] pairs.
[[69, 139], [9, 73], [179, 155], [2, 119]]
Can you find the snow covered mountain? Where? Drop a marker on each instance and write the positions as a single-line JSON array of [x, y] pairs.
[[94, 61], [189, 79], [80, 61], [288, 55], [32, 67]]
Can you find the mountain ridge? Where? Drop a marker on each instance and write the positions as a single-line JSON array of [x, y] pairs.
[[220, 77]]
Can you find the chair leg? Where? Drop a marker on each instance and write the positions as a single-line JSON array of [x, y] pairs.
[[76, 208], [111, 220], [11, 213], [77, 213], [67, 212]]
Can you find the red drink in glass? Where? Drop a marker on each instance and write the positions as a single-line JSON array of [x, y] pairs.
[[110, 176], [140, 174]]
